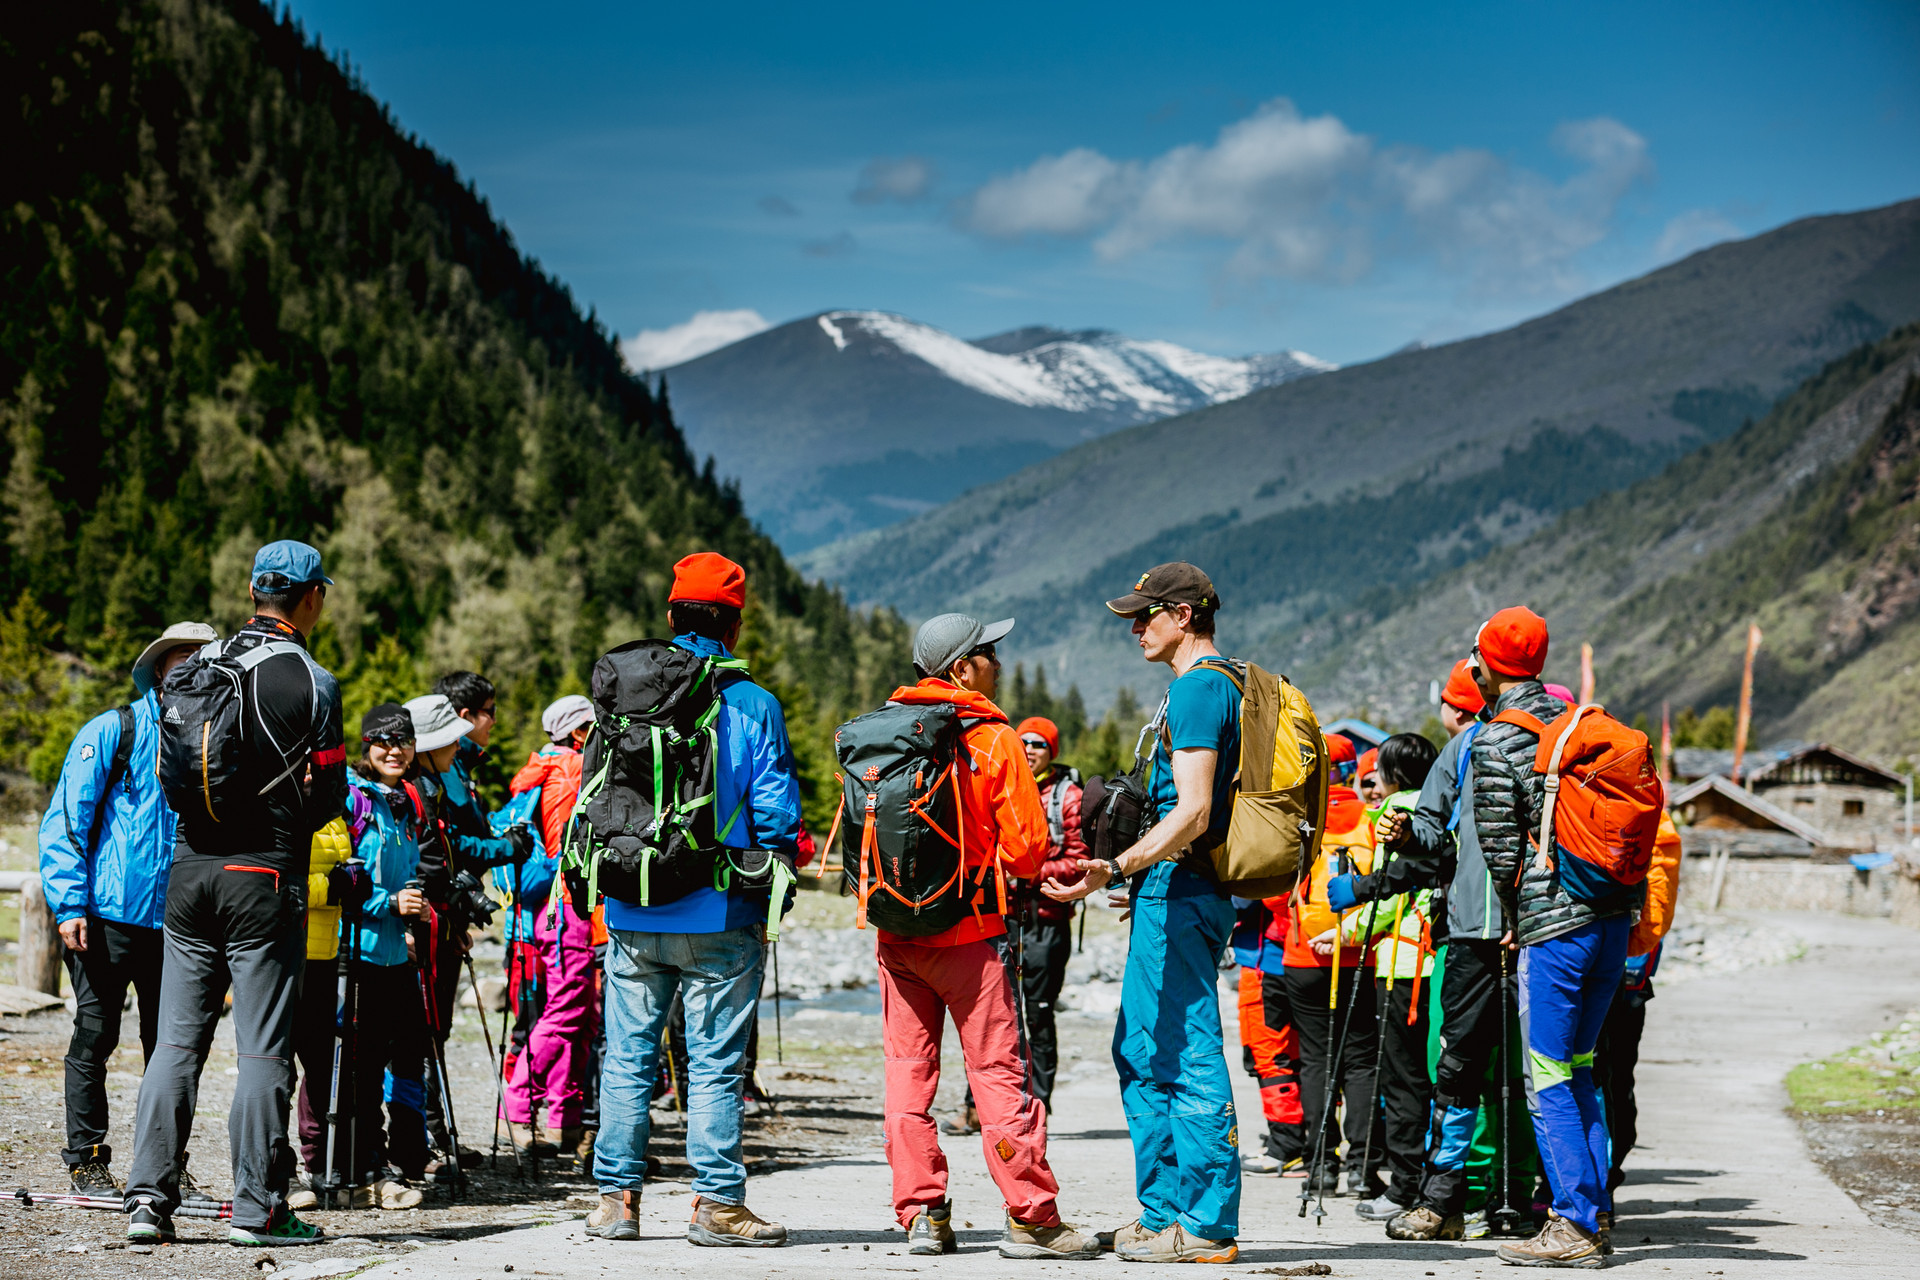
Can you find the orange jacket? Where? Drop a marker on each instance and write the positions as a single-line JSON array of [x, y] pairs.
[[1663, 886], [556, 771], [1001, 816], [1349, 833]]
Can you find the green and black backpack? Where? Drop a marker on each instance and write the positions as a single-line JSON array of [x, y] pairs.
[[644, 829], [900, 789]]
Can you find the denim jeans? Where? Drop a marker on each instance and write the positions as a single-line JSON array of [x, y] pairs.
[[718, 978]]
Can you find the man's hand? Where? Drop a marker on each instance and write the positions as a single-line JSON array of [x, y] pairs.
[[410, 902], [1322, 944], [1396, 830], [74, 933], [1094, 876]]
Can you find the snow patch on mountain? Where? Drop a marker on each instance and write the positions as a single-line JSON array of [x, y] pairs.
[[1092, 371]]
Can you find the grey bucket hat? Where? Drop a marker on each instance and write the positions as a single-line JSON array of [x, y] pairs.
[[435, 722], [944, 640], [181, 635]]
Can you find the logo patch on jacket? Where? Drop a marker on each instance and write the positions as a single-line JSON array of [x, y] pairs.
[[1004, 1149], [86, 751]]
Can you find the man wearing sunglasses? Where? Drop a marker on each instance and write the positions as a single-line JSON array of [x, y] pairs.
[[1168, 1043]]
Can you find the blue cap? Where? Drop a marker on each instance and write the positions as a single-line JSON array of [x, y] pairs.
[[297, 562]]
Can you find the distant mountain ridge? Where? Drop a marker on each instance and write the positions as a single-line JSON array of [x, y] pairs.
[[1325, 497], [851, 420]]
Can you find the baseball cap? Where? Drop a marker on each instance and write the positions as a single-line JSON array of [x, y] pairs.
[[707, 577], [296, 563], [944, 640], [1174, 583], [564, 715], [179, 635], [435, 722]]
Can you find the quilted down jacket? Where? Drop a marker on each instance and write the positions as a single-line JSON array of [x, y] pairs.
[[1507, 794]]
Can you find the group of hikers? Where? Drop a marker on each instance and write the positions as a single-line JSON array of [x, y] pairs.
[[1420, 948]]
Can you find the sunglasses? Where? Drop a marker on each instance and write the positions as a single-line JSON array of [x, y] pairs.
[[983, 651], [1161, 607], [388, 740], [1032, 741]]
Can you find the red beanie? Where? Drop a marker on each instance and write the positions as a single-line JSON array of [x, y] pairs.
[[1461, 693], [1339, 747], [1368, 763], [1043, 727], [709, 578], [1513, 642]]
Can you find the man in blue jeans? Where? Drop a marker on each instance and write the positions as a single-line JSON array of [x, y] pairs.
[[709, 947], [1167, 1044], [1573, 947]]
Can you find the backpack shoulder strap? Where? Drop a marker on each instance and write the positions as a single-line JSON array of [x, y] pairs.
[[1525, 719], [116, 772], [271, 649]]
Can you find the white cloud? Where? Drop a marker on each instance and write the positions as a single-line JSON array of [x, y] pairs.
[[1693, 230], [906, 180], [1302, 197], [676, 344]]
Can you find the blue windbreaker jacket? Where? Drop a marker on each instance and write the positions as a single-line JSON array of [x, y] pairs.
[[756, 776], [390, 846], [124, 878]]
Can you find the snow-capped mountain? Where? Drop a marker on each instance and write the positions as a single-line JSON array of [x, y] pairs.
[[850, 420]]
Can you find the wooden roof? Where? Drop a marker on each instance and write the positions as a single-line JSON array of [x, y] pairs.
[[1757, 812]]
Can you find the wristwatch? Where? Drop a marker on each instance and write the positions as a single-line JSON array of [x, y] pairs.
[[1114, 874]]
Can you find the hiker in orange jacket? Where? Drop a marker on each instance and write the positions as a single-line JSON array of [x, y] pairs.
[[959, 972]]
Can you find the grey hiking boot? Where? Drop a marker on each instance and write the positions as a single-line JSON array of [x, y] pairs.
[[1025, 1240], [1425, 1223], [1123, 1237], [1175, 1245], [930, 1234], [1561, 1244], [617, 1218], [717, 1225], [1381, 1208]]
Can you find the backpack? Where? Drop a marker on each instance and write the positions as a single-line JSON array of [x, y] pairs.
[[1279, 785], [1603, 800], [644, 829], [207, 764], [900, 778], [1113, 811], [1056, 805]]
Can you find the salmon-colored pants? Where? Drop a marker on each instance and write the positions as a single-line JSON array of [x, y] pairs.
[[919, 986]]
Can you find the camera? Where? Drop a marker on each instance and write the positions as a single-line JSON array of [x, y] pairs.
[[468, 903]]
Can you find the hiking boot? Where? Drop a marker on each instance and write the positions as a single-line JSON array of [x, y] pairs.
[[583, 1149], [94, 1178], [930, 1234], [1561, 1244], [1260, 1166], [1175, 1245], [617, 1218], [1475, 1226], [521, 1136], [1380, 1208], [148, 1223], [1124, 1238], [1326, 1180], [719, 1225], [289, 1231], [1024, 1240], [1363, 1187], [569, 1141], [1294, 1168], [959, 1126], [385, 1192], [1422, 1222], [1605, 1233], [302, 1193], [191, 1194]]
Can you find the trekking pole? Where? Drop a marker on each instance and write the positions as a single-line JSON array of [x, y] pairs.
[[500, 1076], [779, 1048], [1505, 1217], [473, 983], [334, 1180], [1336, 1052]]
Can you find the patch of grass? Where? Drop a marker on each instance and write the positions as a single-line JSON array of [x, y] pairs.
[[1882, 1074]]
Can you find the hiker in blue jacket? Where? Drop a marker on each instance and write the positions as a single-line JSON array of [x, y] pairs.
[[106, 844]]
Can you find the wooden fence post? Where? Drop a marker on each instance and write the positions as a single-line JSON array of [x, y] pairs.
[[40, 963]]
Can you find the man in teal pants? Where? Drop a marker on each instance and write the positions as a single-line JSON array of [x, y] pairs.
[[1167, 1045]]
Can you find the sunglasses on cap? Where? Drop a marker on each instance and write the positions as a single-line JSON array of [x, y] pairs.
[[982, 651], [388, 739], [276, 582]]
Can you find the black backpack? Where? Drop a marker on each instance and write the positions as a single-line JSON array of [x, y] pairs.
[[208, 764], [900, 782], [1113, 811], [644, 830]]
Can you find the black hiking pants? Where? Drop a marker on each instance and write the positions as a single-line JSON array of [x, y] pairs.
[[117, 955], [1470, 1027], [1614, 1061], [1319, 1027], [1406, 1091]]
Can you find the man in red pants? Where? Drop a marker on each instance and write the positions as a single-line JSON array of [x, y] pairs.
[[959, 972]]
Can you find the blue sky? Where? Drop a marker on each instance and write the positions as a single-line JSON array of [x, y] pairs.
[[1342, 179]]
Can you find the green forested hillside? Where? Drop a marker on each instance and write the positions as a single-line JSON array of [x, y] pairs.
[[240, 303]]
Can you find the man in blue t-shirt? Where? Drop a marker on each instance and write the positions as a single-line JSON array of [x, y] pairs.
[[1167, 1044], [709, 947]]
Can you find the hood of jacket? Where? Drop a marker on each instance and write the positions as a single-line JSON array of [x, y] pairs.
[[550, 761], [934, 690]]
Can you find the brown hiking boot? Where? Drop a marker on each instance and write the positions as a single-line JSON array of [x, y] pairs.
[[1423, 1223], [521, 1136], [1561, 1244], [960, 1125], [930, 1234], [583, 1149], [1175, 1245], [732, 1225], [617, 1218], [1025, 1240], [1124, 1237], [1605, 1233]]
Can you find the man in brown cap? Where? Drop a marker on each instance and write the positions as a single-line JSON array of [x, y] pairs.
[[1168, 1045]]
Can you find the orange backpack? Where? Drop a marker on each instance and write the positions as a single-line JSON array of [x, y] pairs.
[[1603, 801]]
